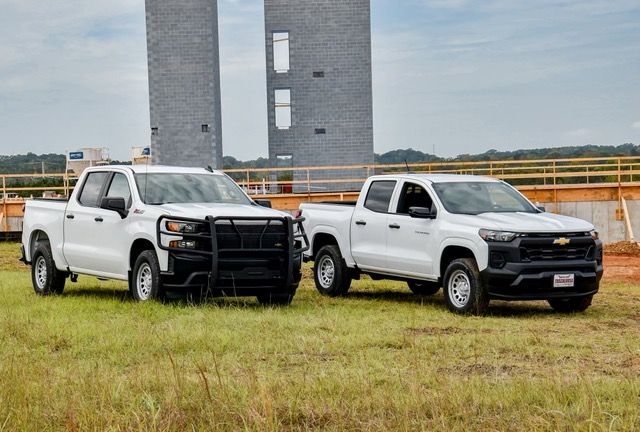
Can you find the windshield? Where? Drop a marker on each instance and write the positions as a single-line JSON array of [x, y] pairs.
[[482, 197], [163, 188]]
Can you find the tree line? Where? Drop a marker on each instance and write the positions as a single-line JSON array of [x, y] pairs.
[[31, 163]]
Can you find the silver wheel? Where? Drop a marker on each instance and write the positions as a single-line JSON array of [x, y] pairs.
[[331, 273], [40, 273], [46, 279], [326, 272], [459, 288], [144, 281]]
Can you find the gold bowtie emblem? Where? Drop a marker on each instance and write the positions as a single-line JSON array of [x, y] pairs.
[[562, 241]]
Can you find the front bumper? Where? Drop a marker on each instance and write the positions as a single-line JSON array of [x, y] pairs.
[[516, 276]]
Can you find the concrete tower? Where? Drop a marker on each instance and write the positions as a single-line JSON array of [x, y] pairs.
[[319, 83], [184, 82]]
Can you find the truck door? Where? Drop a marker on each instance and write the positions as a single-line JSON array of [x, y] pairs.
[[96, 240], [410, 241], [369, 226]]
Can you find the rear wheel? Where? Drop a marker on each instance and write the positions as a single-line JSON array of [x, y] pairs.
[[46, 278], [463, 290], [571, 304], [330, 272], [145, 281], [423, 287]]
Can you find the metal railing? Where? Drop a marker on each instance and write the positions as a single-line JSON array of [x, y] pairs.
[[273, 181]]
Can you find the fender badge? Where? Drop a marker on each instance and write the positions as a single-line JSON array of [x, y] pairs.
[[562, 241], [138, 211]]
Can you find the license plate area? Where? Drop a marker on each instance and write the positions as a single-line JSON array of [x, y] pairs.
[[564, 280]]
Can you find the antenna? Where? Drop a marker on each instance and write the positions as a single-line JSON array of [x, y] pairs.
[[406, 164]]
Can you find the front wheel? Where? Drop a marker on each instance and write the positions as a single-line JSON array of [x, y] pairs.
[[423, 287], [145, 281], [463, 290], [46, 278], [330, 272], [571, 304]]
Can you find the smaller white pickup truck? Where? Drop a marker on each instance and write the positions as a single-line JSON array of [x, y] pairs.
[[164, 230], [477, 237]]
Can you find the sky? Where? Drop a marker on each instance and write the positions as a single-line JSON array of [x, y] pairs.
[[450, 77]]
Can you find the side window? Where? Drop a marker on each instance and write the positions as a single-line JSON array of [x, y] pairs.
[[91, 189], [413, 195], [379, 196], [119, 187]]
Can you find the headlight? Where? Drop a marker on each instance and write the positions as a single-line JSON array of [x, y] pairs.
[[184, 244], [183, 227], [497, 236], [594, 234]]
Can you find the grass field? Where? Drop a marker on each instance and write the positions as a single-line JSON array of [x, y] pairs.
[[379, 359]]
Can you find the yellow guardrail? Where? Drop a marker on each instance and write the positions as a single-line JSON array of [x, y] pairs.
[[283, 180]]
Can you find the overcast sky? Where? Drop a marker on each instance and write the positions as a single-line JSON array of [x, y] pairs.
[[450, 76]]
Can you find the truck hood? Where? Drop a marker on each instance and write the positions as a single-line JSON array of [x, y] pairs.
[[202, 210], [531, 222]]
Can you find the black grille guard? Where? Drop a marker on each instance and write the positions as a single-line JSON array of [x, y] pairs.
[[293, 230]]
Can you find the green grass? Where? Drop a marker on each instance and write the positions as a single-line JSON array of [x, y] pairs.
[[379, 359]]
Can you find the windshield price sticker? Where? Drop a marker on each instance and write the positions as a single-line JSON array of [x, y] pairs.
[[563, 280]]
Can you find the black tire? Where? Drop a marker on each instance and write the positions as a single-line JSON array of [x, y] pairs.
[[423, 287], [46, 278], [146, 283], [463, 290], [330, 272], [571, 304], [275, 299]]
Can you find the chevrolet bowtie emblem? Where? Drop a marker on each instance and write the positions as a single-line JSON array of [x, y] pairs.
[[562, 241]]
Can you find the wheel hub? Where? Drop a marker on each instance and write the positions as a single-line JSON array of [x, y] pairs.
[[459, 288], [327, 272]]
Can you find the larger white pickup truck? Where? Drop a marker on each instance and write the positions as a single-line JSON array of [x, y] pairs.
[[476, 237], [164, 230]]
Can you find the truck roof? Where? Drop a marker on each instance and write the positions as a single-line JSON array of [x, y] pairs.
[[141, 169], [439, 178]]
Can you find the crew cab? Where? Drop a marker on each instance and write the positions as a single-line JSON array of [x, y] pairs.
[[164, 230], [477, 237]]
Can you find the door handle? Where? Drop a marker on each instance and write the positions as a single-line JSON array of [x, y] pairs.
[[394, 226], [70, 216], [98, 219], [361, 222]]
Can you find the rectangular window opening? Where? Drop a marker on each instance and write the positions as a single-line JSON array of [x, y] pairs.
[[318, 74], [283, 108], [320, 131], [281, 51]]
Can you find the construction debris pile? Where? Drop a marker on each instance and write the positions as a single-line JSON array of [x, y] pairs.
[[622, 248]]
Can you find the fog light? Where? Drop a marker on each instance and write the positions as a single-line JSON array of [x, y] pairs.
[[497, 260], [183, 244]]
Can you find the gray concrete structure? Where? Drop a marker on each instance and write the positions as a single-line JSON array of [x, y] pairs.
[[321, 52], [184, 82]]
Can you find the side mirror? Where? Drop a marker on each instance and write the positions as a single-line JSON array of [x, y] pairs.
[[541, 208], [423, 212], [117, 204], [263, 202]]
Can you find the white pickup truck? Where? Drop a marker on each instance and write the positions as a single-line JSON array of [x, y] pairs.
[[477, 237], [164, 230]]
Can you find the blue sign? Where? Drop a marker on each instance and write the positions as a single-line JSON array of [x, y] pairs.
[[146, 151], [76, 155]]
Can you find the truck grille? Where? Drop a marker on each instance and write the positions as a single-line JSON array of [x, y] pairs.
[[271, 234], [547, 247]]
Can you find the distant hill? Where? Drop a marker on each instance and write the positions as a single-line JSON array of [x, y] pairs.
[[56, 163]]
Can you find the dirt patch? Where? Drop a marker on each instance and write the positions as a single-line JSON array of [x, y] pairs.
[[622, 248], [622, 261]]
